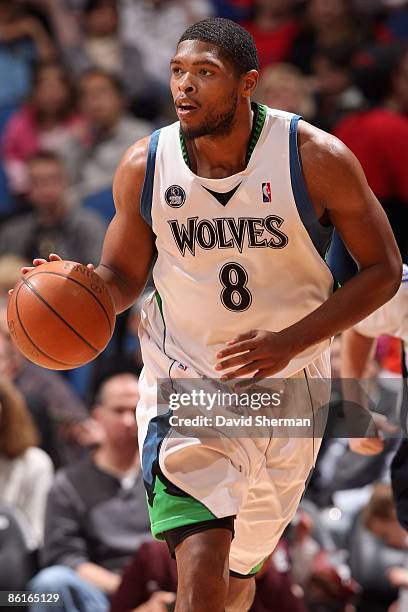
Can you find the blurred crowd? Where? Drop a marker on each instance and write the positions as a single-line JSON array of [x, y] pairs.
[[81, 80]]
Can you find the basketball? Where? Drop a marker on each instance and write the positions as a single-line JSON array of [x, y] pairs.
[[61, 315]]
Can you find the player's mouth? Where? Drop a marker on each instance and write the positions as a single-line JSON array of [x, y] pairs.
[[185, 107]]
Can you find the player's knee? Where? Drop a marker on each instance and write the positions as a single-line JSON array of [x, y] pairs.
[[241, 597]]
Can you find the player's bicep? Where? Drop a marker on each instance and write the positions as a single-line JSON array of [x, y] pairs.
[[129, 242], [337, 184], [357, 214]]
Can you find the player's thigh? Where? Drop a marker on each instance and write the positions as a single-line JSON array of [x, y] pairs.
[[271, 503]]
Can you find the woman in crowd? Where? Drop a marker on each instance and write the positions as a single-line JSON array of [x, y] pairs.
[[48, 121], [26, 471]]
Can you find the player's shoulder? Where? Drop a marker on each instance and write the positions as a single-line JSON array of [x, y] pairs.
[[324, 157], [134, 160]]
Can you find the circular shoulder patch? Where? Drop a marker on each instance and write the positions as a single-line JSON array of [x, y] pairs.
[[175, 196]]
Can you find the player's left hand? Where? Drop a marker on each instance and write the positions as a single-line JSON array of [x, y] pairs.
[[257, 352]]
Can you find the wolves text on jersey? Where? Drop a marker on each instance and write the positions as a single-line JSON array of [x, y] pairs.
[[228, 233]]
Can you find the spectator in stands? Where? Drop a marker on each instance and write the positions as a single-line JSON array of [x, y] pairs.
[[146, 22], [23, 41], [330, 24], [333, 83], [96, 513], [92, 40], [274, 29], [62, 420], [283, 86], [26, 471], [10, 273], [103, 103], [380, 517], [378, 136], [48, 122], [149, 578], [237, 10], [64, 426], [53, 225]]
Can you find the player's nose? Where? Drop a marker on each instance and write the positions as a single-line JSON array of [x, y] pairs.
[[186, 84]]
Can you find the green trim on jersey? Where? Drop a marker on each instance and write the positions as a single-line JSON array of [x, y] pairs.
[[159, 303], [260, 112], [259, 121], [257, 568], [171, 511]]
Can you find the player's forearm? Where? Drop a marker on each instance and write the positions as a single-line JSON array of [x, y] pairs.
[[358, 298], [123, 291], [102, 578]]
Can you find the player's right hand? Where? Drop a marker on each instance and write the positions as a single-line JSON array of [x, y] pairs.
[[373, 445], [39, 261]]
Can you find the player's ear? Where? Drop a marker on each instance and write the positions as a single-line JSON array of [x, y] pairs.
[[249, 83]]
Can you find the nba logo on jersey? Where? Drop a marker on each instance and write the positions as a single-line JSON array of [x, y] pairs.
[[266, 192]]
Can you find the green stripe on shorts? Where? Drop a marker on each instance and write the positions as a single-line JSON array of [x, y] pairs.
[[171, 511]]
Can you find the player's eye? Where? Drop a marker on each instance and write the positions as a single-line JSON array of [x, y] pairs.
[[176, 71], [205, 72]]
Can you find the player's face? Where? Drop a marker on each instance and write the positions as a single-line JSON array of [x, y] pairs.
[[205, 90]]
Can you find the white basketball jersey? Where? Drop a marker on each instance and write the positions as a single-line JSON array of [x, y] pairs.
[[234, 254]]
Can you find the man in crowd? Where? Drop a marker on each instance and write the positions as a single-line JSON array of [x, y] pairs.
[[54, 223], [96, 516]]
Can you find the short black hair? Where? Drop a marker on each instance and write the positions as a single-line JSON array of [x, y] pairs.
[[234, 42]]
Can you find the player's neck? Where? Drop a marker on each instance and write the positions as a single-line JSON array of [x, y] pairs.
[[221, 156]]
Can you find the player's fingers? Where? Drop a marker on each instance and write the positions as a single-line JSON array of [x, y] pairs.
[[54, 257], [26, 269], [10, 291], [249, 368], [240, 347], [90, 267], [235, 361], [246, 336]]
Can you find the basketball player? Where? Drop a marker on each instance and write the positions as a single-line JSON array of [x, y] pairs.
[[357, 354], [239, 201]]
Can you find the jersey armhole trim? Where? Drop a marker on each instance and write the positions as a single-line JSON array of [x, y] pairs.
[[147, 191], [320, 235]]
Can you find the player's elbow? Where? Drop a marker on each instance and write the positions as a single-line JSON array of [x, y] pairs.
[[392, 274]]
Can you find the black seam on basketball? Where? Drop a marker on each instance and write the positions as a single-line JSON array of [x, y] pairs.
[[70, 365], [84, 287], [40, 297]]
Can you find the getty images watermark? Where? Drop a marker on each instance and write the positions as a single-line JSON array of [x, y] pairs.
[[301, 407], [211, 402], [209, 407]]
